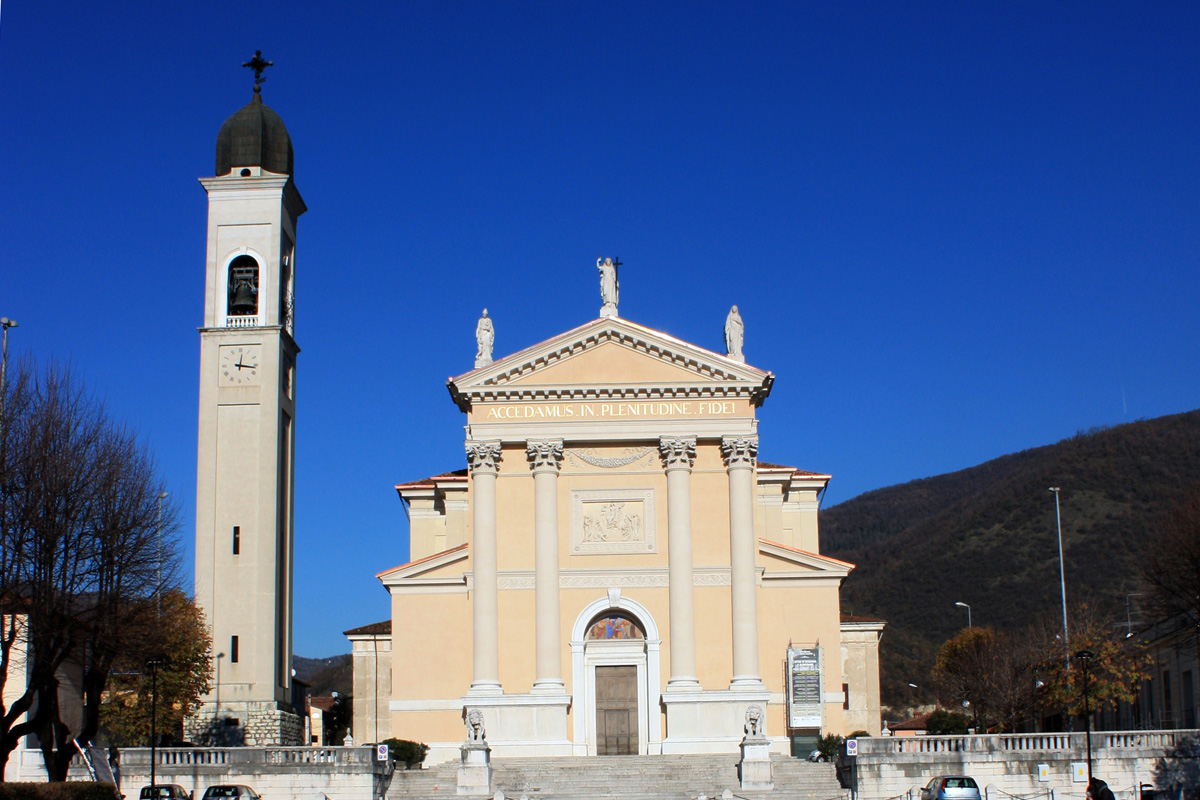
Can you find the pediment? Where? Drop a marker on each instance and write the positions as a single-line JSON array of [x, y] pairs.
[[611, 357], [780, 557], [435, 569]]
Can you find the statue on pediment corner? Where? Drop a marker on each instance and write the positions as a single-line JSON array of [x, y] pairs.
[[485, 337]]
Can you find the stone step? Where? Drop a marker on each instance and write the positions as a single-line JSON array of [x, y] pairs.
[[665, 777]]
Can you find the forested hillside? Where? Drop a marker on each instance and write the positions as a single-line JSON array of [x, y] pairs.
[[986, 536]]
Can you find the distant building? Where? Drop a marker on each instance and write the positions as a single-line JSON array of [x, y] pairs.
[[371, 653], [1168, 698]]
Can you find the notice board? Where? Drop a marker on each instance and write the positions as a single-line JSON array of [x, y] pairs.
[[804, 687]]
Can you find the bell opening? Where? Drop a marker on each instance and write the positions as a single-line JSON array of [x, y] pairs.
[[243, 287]]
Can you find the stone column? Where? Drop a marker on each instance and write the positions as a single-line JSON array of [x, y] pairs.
[[483, 460], [740, 455], [545, 459], [678, 455]]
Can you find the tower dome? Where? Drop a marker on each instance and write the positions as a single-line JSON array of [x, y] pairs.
[[254, 137]]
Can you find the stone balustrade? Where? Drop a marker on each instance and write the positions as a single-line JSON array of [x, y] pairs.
[[279, 773], [891, 766]]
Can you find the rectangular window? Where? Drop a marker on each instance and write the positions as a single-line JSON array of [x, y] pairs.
[[1189, 700], [1168, 709], [233, 649], [237, 539], [845, 695]]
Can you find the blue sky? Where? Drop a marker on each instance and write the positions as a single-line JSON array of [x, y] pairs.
[[953, 230]]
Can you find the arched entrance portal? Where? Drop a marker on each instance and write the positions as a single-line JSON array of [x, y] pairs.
[[615, 678]]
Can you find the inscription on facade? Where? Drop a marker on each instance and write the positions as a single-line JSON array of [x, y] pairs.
[[636, 410], [612, 521]]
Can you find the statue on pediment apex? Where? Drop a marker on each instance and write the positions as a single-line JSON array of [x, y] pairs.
[[734, 333], [610, 287]]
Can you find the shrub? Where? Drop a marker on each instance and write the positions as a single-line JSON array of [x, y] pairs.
[[946, 723], [402, 751], [1178, 772], [74, 790], [829, 745]]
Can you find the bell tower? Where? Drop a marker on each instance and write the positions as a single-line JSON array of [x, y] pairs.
[[246, 431]]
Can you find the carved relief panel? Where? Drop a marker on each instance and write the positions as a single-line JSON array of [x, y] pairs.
[[612, 521]]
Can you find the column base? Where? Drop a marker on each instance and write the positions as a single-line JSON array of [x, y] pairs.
[[549, 686], [747, 683], [485, 689], [683, 683]]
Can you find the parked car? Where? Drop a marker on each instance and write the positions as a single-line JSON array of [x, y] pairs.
[[230, 791], [165, 791], [951, 787]]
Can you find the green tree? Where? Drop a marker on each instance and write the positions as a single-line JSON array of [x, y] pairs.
[[1115, 671], [182, 636]]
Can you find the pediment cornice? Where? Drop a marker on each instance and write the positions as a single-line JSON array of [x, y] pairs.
[[705, 373]]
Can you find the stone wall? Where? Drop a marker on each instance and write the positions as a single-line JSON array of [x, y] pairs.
[[892, 766], [257, 725]]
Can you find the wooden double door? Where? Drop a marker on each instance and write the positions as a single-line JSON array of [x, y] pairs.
[[616, 711]]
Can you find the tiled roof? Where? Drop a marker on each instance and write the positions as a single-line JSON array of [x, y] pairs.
[[429, 482], [368, 630], [855, 618], [458, 474], [768, 466], [420, 560], [323, 703], [917, 723]]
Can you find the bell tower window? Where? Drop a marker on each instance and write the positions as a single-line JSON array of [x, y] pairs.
[[243, 287]]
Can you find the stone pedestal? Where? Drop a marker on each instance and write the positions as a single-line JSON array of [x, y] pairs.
[[755, 766], [475, 769], [708, 721]]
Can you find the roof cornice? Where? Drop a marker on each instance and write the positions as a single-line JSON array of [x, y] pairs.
[[715, 375]]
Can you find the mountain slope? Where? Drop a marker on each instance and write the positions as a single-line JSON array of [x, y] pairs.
[[986, 536]]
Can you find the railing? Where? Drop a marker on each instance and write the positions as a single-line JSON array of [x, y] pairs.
[[249, 321], [1013, 742], [135, 757]]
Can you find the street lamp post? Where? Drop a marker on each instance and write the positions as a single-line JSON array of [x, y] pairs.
[[1084, 657], [154, 662], [158, 585], [6, 323], [968, 608], [1062, 581]]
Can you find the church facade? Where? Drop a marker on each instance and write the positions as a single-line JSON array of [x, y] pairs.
[[614, 571]]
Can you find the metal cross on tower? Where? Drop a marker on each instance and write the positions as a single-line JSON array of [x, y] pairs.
[[258, 64]]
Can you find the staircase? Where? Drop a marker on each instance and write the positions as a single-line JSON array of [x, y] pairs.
[[664, 777]]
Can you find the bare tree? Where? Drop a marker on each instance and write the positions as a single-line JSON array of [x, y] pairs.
[[80, 536], [1172, 566]]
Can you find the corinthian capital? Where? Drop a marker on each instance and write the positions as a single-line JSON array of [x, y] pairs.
[[483, 456], [739, 451], [678, 452], [544, 454]]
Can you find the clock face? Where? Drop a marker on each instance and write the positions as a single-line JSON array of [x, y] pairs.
[[240, 365]]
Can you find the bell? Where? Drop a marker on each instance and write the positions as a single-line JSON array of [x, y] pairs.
[[245, 299]]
